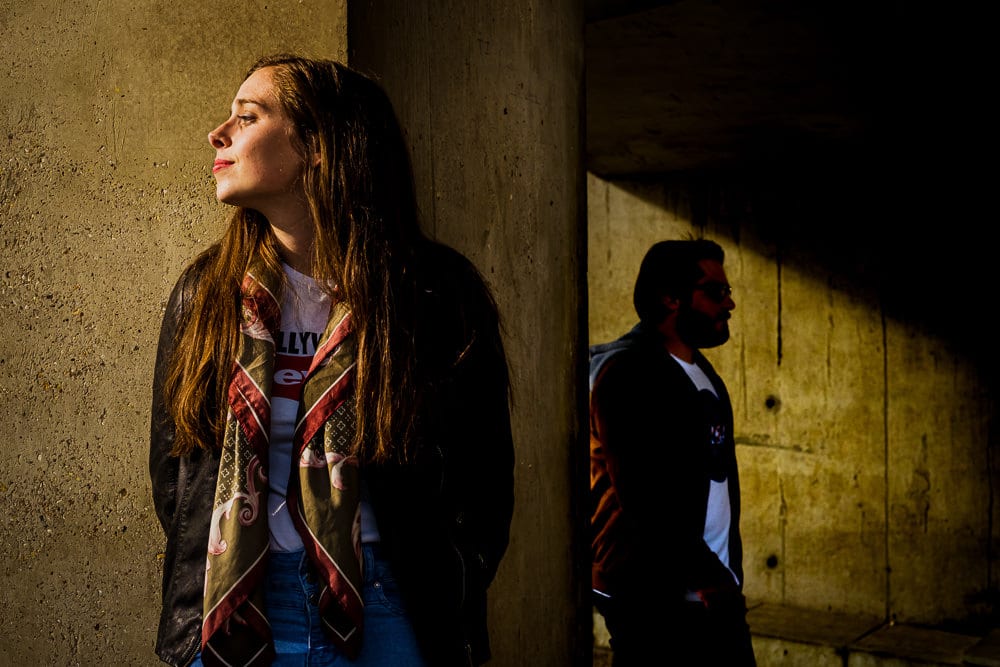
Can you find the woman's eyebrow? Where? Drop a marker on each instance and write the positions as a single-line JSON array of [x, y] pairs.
[[240, 101]]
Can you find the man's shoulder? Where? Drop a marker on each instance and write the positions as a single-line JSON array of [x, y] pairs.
[[633, 355], [602, 353]]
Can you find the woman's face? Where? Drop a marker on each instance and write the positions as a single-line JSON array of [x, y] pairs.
[[257, 165]]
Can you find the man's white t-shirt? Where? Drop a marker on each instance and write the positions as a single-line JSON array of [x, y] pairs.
[[719, 514]]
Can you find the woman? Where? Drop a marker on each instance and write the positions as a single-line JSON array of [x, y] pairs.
[[331, 455]]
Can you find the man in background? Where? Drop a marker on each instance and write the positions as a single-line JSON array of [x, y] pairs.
[[667, 556]]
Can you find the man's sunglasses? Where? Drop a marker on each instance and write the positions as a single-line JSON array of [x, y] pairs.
[[717, 292]]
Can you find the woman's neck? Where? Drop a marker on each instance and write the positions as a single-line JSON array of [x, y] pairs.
[[295, 241]]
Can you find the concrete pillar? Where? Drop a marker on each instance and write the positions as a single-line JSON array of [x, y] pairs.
[[490, 96], [106, 192]]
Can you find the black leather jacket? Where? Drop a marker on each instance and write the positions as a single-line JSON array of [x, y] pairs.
[[444, 520], [651, 426]]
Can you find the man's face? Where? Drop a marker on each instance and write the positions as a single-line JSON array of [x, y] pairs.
[[703, 321]]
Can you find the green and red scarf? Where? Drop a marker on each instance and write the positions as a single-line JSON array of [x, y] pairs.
[[323, 492]]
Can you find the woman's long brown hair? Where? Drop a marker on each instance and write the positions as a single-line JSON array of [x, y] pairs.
[[364, 214]]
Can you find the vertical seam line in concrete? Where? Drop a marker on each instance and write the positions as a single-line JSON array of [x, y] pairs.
[[885, 464], [777, 264], [783, 510]]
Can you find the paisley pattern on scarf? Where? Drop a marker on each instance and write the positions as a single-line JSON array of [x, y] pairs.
[[323, 497]]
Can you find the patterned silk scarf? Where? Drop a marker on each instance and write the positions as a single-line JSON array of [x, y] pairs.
[[323, 492]]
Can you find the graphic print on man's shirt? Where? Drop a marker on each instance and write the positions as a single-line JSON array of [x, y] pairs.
[[718, 512]]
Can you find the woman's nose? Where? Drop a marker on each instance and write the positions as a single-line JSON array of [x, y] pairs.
[[218, 137]]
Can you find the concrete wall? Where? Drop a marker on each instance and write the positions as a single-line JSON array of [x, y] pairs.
[[490, 93], [105, 191], [863, 432], [862, 426]]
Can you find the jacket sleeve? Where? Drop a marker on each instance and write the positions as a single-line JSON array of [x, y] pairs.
[[626, 418], [488, 479], [163, 468], [472, 405]]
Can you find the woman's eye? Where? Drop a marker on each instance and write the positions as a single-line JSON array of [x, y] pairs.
[[245, 119]]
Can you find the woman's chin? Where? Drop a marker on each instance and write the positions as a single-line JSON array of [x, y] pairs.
[[226, 197]]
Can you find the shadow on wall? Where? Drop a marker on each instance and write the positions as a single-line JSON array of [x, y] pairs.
[[891, 242], [861, 381]]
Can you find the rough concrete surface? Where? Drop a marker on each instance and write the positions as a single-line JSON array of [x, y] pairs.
[[105, 191], [863, 438], [862, 390], [493, 116], [831, 153]]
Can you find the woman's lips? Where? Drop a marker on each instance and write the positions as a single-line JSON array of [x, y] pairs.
[[220, 164]]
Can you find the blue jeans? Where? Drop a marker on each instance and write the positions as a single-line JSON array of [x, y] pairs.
[[388, 638]]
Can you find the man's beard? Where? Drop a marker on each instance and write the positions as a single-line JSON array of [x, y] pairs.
[[699, 330]]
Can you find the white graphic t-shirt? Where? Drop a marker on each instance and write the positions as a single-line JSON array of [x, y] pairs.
[[718, 515], [305, 310]]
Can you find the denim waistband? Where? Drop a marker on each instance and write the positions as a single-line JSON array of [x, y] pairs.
[[298, 561]]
